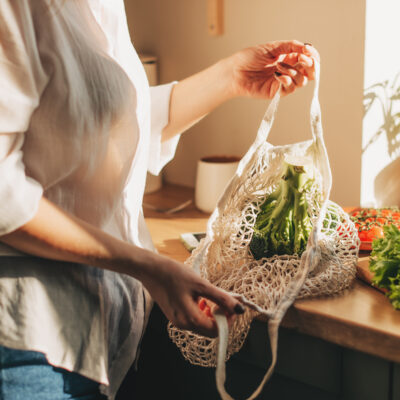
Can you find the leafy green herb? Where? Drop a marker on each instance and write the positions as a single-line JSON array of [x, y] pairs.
[[385, 263]]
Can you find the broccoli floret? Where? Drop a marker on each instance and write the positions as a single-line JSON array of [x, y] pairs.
[[283, 224]]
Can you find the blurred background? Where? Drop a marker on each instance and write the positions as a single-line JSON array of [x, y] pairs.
[[360, 60]]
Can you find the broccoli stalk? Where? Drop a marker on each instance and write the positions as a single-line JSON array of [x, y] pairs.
[[283, 224]]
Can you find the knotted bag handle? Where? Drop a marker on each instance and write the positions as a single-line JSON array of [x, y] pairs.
[[310, 257]]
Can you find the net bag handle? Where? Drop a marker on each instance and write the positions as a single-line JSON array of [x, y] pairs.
[[310, 257]]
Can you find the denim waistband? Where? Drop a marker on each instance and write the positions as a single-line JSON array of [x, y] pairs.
[[28, 375]]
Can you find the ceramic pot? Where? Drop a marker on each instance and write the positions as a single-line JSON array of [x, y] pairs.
[[387, 185]]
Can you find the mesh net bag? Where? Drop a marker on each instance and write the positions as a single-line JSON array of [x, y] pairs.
[[269, 285]]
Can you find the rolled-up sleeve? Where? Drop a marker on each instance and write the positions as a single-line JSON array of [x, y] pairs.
[[19, 194], [160, 152], [21, 81]]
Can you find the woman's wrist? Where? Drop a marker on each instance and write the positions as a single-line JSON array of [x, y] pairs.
[[225, 79], [194, 97], [151, 269]]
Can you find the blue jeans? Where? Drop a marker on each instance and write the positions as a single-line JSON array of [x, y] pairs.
[[26, 375]]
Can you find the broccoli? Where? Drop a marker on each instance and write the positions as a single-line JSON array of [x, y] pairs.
[[283, 224]]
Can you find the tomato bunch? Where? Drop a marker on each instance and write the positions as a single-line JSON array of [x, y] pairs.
[[370, 221]]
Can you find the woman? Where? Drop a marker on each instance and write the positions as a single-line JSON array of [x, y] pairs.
[[78, 130]]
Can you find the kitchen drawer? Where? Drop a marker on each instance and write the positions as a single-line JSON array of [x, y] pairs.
[[396, 382], [243, 378], [301, 358], [365, 377]]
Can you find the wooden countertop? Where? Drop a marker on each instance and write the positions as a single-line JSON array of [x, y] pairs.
[[361, 319]]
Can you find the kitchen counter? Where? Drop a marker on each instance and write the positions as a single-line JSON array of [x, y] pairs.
[[360, 319]]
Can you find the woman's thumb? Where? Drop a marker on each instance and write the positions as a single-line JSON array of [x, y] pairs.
[[225, 301]]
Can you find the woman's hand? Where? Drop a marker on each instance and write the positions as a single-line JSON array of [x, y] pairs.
[[259, 71], [255, 72], [178, 291]]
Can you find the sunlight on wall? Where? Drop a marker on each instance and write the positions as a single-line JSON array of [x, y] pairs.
[[382, 65], [176, 31]]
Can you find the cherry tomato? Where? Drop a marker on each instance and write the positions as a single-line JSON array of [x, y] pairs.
[[202, 303], [363, 236], [385, 212], [374, 232], [381, 220], [208, 312]]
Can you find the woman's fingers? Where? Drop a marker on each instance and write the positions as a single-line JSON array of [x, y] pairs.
[[191, 315], [224, 300], [191, 310], [288, 89], [287, 47], [290, 77], [254, 73], [298, 78], [200, 320], [274, 88], [302, 63], [305, 61], [209, 308], [311, 51], [286, 83]]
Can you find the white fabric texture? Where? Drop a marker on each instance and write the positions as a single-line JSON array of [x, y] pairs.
[[269, 285], [79, 124]]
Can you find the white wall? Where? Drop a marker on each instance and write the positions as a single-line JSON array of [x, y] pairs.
[[176, 31], [382, 63]]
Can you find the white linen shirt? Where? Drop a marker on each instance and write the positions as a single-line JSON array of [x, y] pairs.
[[79, 125]]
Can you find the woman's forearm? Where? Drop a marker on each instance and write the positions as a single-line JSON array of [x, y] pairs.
[[197, 95], [258, 72], [55, 234]]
